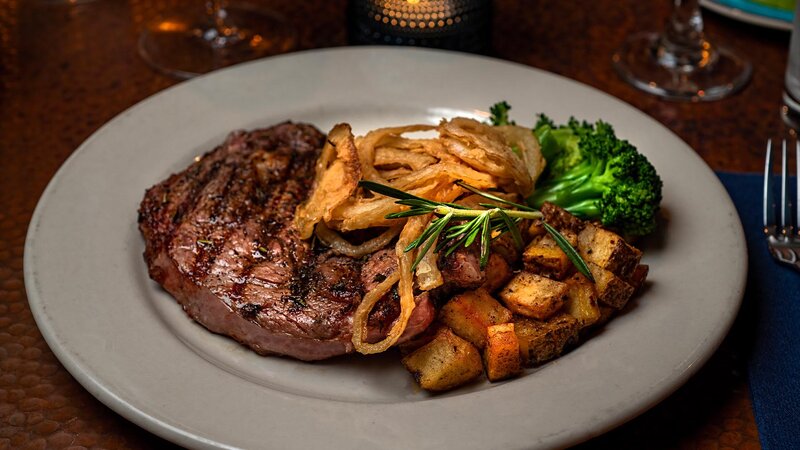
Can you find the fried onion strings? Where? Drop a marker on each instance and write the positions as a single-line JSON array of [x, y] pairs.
[[489, 158]]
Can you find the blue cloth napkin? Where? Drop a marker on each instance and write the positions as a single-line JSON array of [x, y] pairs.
[[773, 298]]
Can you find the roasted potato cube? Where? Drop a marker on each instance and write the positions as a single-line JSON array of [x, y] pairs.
[[444, 363], [544, 260], [606, 313], [498, 272], [638, 278], [544, 257], [505, 247], [533, 295], [470, 313], [611, 289], [501, 357], [419, 340], [582, 300], [561, 219], [536, 228], [540, 341], [608, 250]]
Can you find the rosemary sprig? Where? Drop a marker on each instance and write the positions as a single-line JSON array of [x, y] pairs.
[[472, 223], [570, 251]]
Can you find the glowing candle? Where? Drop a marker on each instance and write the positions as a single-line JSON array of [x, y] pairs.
[[451, 24]]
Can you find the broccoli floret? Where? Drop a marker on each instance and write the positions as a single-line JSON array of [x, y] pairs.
[[559, 145], [500, 114], [595, 175]]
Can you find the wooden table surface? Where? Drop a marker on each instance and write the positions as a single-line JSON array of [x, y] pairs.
[[65, 70]]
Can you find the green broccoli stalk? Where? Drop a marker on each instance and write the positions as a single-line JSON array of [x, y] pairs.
[[595, 175], [499, 113]]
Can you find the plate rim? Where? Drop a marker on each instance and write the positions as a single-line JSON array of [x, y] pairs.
[[82, 373]]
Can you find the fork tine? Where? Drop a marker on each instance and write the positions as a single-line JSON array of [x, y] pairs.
[[769, 205], [786, 202], [783, 245], [797, 194]]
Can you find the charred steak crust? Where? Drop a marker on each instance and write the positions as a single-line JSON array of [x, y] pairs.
[[219, 238]]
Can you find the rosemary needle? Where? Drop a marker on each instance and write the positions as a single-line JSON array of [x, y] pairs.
[[470, 225]]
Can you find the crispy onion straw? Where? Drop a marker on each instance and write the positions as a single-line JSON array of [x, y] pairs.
[[361, 213], [361, 315], [447, 170], [337, 175], [395, 157], [395, 173], [341, 246], [368, 144], [432, 147], [405, 288], [528, 147], [428, 274], [485, 149]]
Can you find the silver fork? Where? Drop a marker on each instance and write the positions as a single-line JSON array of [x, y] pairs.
[[784, 239]]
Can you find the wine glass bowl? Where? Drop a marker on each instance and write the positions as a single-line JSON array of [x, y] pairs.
[[188, 43], [680, 63]]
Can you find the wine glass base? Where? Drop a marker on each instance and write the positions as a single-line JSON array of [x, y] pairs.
[[64, 2], [637, 63], [185, 45]]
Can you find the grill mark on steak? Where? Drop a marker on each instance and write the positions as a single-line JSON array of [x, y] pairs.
[[216, 204], [164, 205], [270, 243], [257, 281], [233, 260], [301, 285], [197, 183], [256, 211], [284, 190]]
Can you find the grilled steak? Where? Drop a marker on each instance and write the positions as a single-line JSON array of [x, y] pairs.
[[219, 238]]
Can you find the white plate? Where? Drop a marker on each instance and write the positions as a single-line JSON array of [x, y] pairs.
[[132, 347], [752, 13]]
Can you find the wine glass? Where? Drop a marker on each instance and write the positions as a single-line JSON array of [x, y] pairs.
[[190, 43], [680, 63]]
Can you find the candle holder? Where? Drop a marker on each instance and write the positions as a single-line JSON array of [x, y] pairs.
[[463, 25]]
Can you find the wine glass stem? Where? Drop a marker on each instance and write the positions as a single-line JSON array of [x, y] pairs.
[[683, 45], [223, 33]]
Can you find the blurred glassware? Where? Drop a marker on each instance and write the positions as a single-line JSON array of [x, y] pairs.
[[463, 25], [679, 63], [791, 86], [188, 43], [64, 2]]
